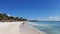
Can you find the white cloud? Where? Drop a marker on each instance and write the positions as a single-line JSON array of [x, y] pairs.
[[51, 18], [8, 15]]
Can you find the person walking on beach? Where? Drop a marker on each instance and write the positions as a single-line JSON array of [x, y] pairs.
[[23, 23]]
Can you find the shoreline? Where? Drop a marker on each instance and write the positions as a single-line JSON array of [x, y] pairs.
[[29, 29], [39, 31], [34, 29], [18, 27]]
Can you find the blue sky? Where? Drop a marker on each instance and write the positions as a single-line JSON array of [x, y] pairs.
[[31, 9]]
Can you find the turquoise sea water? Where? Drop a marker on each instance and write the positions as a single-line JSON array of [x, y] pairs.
[[49, 27]]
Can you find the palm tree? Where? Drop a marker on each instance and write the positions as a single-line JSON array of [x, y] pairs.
[[5, 17], [1, 16], [10, 18], [16, 18], [22, 19]]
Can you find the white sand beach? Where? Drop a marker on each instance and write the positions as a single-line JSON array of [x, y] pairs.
[[16, 28], [10, 28]]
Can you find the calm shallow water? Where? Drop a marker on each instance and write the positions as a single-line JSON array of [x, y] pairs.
[[50, 27]]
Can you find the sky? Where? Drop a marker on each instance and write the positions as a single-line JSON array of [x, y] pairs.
[[32, 9]]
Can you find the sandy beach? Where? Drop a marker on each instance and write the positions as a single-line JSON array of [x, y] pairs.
[[29, 30], [16, 28], [10, 28]]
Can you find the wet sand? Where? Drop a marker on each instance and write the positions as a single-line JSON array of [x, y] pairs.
[[29, 30]]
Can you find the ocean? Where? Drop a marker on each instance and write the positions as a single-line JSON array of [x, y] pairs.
[[49, 27]]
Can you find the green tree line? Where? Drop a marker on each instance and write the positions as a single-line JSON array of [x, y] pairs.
[[5, 17]]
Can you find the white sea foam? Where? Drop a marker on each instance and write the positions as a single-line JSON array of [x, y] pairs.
[[42, 25]]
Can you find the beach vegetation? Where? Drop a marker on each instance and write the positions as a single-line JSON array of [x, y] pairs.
[[4, 17]]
